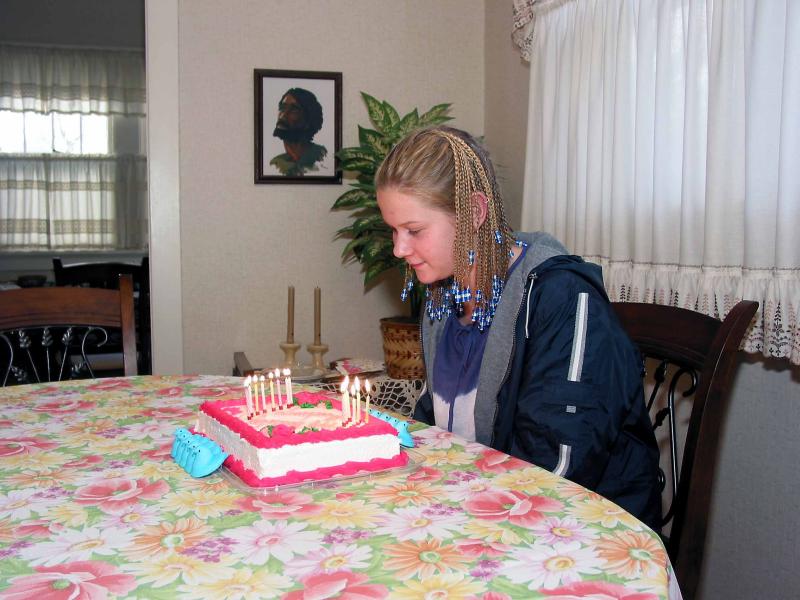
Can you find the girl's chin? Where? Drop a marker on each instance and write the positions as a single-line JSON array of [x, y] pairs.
[[428, 278]]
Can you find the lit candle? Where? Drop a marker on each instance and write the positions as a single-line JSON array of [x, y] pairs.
[[368, 391], [353, 406], [287, 374], [358, 400], [290, 317], [345, 400], [278, 385], [272, 389], [248, 396], [317, 316], [263, 396]]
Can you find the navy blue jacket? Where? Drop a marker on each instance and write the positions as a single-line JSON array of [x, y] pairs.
[[560, 383]]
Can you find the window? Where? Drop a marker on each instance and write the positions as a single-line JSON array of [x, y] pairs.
[[72, 165], [56, 133]]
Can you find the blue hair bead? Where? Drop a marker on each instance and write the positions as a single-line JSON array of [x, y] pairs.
[[462, 296]]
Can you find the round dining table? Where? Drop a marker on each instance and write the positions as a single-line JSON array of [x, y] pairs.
[[93, 506]]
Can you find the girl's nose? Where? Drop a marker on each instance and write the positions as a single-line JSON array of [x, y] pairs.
[[400, 247]]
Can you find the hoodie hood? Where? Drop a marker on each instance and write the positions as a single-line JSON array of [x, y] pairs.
[[590, 272]]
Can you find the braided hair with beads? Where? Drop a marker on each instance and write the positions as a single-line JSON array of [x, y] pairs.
[[449, 168]]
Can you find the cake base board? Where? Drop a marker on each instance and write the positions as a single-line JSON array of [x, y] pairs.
[[407, 462]]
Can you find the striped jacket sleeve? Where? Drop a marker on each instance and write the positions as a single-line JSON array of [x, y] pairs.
[[572, 401]]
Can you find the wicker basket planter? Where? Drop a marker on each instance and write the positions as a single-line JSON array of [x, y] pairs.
[[402, 348]]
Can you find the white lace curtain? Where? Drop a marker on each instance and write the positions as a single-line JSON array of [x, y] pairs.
[[73, 203], [663, 143], [54, 201], [72, 80]]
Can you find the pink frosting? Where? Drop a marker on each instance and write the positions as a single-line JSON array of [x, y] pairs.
[[350, 468], [225, 411]]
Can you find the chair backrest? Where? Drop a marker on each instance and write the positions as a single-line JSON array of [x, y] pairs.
[[105, 275], [95, 274], [41, 329], [698, 349]]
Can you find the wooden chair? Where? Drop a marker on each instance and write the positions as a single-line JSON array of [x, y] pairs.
[[700, 351], [105, 275], [43, 329]]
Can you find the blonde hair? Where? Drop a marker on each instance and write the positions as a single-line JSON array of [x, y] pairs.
[[447, 167]]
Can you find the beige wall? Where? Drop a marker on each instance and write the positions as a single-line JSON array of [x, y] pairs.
[[243, 244], [752, 548], [506, 112]]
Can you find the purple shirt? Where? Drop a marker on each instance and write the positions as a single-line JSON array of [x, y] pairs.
[[455, 373]]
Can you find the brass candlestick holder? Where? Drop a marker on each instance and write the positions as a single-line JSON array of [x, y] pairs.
[[290, 353], [316, 350]]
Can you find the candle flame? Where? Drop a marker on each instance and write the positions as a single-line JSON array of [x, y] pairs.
[[286, 372], [271, 375]]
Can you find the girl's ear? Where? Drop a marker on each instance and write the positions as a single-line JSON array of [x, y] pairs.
[[480, 208]]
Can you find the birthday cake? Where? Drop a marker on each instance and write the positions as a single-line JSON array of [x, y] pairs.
[[278, 439]]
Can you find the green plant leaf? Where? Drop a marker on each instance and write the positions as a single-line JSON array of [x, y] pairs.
[[408, 123], [374, 110], [359, 153], [390, 117], [376, 142], [369, 222], [377, 248], [374, 270], [355, 198], [436, 115], [354, 246], [366, 166]]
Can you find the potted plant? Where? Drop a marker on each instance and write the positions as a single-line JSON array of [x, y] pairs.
[[370, 240]]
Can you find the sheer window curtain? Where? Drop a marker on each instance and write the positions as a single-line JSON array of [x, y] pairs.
[[663, 143], [53, 201]]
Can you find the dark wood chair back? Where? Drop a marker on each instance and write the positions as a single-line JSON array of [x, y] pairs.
[[105, 275], [698, 353], [42, 329]]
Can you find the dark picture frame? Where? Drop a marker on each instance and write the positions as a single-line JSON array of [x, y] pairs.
[[283, 151]]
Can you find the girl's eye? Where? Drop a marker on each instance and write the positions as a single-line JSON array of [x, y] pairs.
[[413, 231]]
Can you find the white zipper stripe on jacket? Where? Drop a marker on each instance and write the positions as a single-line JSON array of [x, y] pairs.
[[579, 338], [532, 280], [564, 452]]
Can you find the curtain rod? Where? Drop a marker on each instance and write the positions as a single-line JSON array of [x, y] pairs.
[[75, 47]]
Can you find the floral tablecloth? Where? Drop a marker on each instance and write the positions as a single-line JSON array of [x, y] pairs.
[[92, 506]]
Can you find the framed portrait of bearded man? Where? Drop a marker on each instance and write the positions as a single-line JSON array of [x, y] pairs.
[[298, 126]]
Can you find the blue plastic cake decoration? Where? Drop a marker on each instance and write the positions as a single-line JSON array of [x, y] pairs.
[[401, 426], [198, 455]]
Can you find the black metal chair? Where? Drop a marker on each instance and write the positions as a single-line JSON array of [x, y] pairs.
[[105, 275], [697, 353], [46, 334]]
